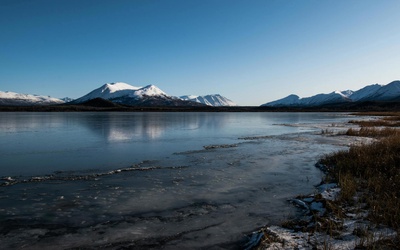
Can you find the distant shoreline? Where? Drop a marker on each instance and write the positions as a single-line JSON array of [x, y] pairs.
[[344, 107]]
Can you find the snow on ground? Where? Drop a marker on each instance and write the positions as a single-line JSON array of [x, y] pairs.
[[307, 233], [355, 228]]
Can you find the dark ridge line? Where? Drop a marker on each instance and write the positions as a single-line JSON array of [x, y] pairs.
[[107, 106]]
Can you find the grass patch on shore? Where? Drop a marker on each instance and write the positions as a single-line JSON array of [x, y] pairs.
[[372, 171], [377, 123], [373, 132], [386, 119]]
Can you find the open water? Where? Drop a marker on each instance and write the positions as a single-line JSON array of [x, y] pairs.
[[155, 180]]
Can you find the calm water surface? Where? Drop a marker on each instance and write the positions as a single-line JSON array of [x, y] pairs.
[[152, 180]]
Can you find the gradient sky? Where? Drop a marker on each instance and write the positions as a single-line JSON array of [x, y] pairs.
[[247, 50]]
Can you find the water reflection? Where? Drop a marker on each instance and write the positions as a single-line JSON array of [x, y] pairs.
[[32, 143], [116, 127], [21, 122], [112, 126], [46, 142]]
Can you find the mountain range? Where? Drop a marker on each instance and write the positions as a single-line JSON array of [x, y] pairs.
[[15, 99], [119, 93], [374, 93]]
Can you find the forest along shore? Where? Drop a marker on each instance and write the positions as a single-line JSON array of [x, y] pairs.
[[357, 205]]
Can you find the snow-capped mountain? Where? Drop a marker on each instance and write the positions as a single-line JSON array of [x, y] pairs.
[[210, 100], [375, 92], [118, 93], [15, 99], [67, 99], [108, 91], [125, 94]]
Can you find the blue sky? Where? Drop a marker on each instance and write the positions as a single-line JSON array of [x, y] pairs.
[[247, 50]]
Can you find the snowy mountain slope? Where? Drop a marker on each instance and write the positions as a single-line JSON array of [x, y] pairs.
[[373, 92], [108, 91], [188, 97], [290, 100], [387, 92], [210, 100], [365, 92], [345, 93], [15, 99], [320, 99], [149, 90], [125, 94], [67, 99]]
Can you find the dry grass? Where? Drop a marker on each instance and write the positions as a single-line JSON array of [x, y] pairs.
[[381, 114], [387, 119], [373, 132], [377, 123], [373, 169]]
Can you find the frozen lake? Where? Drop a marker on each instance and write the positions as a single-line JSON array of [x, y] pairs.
[[152, 180]]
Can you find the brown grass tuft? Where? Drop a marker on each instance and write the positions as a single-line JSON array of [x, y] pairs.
[[372, 132], [375, 169]]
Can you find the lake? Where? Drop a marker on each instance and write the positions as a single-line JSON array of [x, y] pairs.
[[152, 180]]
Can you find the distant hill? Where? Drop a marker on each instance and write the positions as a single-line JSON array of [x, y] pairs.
[[371, 93]]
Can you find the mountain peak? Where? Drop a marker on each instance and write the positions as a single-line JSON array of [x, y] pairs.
[[117, 86], [289, 100], [149, 90], [210, 100], [395, 84]]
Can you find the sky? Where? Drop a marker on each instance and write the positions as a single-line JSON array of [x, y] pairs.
[[250, 51]]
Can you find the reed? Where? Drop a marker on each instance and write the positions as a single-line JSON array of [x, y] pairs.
[[372, 169], [386, 122], [372, 132]]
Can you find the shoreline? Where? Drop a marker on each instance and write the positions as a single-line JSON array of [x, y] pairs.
[[330, 220], [319, 228], [112, 107]]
